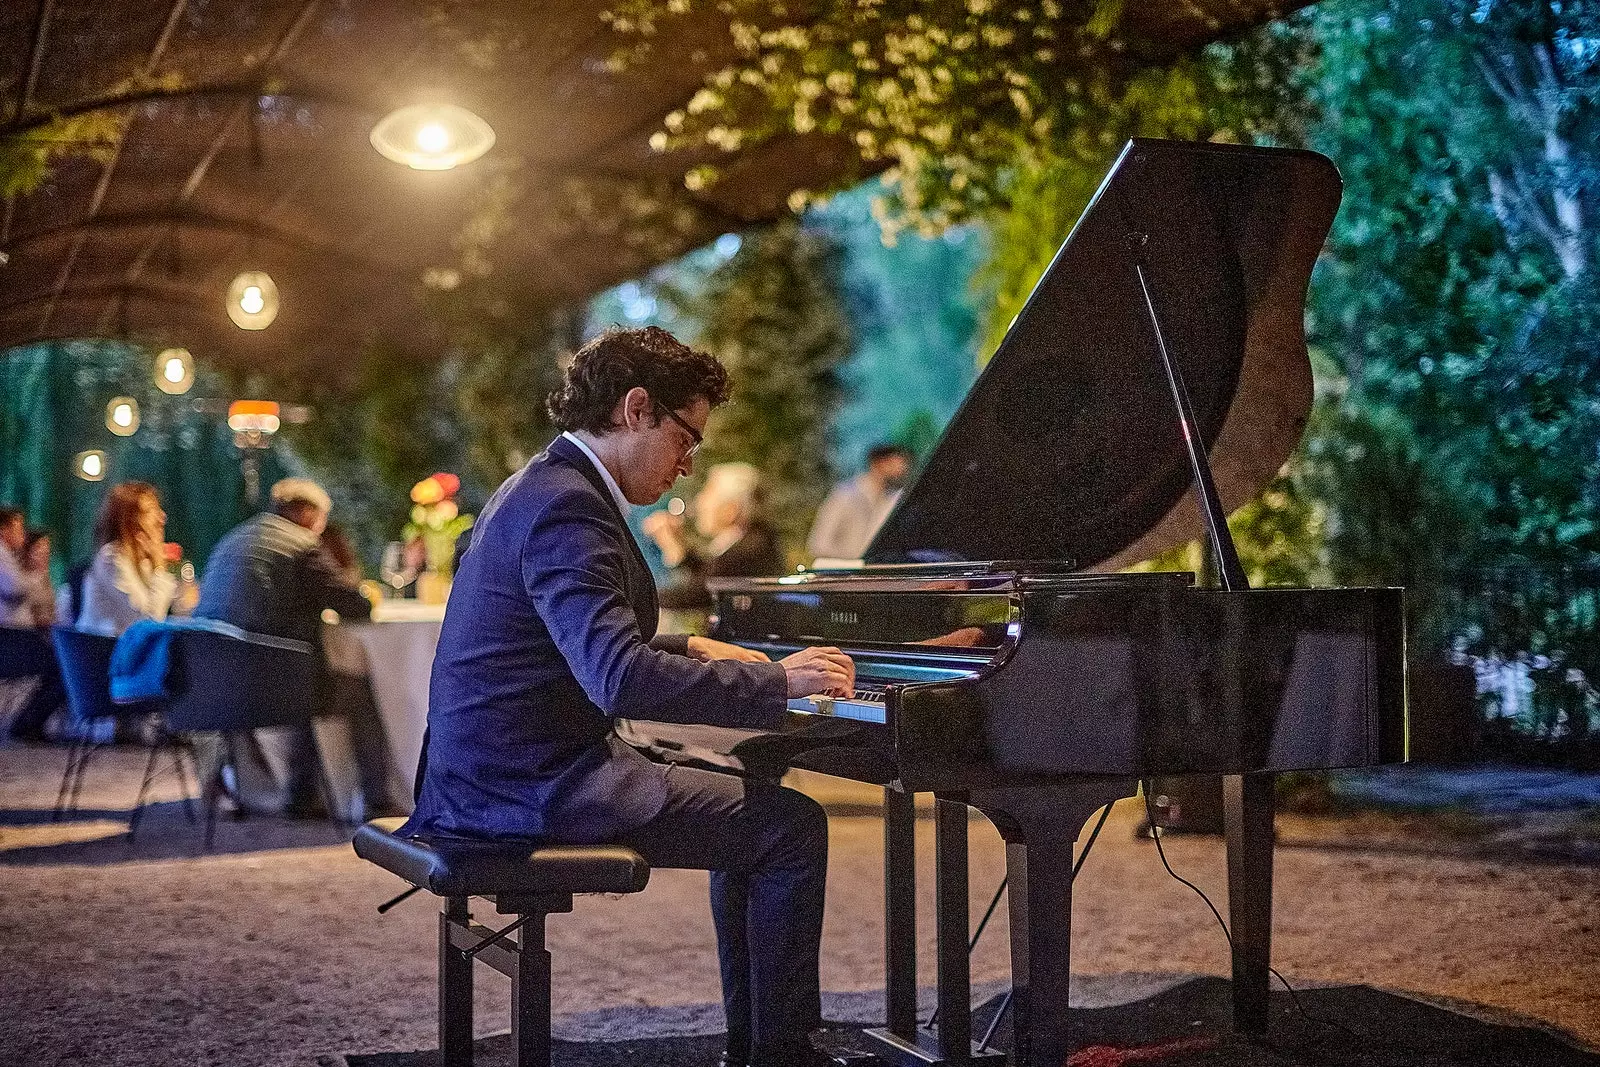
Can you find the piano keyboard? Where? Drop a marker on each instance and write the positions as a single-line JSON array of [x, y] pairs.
[[864, 705]]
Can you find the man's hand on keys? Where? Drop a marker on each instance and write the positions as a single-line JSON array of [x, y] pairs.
[[823, 670]]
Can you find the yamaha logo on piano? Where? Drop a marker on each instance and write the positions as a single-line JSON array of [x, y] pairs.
[[844, 618]]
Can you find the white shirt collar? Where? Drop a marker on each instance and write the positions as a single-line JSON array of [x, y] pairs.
[[611, 483]]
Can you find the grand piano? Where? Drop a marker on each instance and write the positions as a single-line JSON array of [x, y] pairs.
[[1156, 379]]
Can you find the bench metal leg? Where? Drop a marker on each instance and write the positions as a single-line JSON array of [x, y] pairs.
[[455, 989], [530, 998]]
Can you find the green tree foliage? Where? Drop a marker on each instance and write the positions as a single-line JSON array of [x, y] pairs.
[[1231, 91], [915, 317], [27, 159], [32, 147], [479, 413], [498, 380], [370, 439], [771, 313], [950, 94], [1458, 299]]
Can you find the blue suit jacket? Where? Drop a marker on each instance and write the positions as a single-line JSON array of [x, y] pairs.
[[548, 638]]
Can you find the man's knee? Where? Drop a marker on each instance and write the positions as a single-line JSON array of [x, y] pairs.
[[804, 822]]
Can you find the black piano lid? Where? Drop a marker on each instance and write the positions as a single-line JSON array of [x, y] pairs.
[[1068, 446]]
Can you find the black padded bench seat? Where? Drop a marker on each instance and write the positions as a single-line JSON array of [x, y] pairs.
[[529, 883], [471, 869]]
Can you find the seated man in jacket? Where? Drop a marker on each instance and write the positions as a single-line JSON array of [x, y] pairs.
[[271, 575], [551, 636], [738, 541]]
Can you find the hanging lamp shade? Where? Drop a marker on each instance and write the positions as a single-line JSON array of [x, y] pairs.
[[253, 300], [122, 416], [432, 136], [174, 371]]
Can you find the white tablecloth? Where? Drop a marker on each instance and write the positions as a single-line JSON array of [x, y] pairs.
[[396, 649]]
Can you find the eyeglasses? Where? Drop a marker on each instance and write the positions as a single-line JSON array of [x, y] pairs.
[[694, 435]]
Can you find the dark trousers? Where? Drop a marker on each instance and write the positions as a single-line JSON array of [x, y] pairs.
[[349, 697], [26, 653], [767, 850]]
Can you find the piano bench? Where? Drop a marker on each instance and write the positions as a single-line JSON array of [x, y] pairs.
[[527, 883]]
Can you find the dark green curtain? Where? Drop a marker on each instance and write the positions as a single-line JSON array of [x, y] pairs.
[[53, 405]]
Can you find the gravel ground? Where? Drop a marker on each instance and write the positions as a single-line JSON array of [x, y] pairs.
[[268, 951]]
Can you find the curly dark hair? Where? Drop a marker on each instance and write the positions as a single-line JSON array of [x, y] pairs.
[[605, 369]]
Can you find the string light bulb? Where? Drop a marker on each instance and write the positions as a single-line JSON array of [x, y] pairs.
[[122, 416], [90, 465], [253, 300], [174, 371]]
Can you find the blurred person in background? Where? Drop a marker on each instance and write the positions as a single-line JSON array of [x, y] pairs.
[[350, 693], [24, 586], [854, 510], [25, 651], [272, 575], [36, 562], [128, 579], [337, 544], [737, 541]]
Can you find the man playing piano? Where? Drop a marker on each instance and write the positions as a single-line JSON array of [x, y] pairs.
[[550, 637]]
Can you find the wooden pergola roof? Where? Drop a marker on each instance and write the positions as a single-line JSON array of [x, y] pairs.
[[246, 148]]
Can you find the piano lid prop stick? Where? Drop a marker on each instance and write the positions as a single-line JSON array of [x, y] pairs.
[[1205, 486]]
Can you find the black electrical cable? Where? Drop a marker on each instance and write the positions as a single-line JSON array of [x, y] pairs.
[[1147, 787]]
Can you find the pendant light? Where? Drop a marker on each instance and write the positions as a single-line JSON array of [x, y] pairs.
[[432, 136]]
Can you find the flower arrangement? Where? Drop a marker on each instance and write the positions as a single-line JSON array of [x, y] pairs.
[[437, 520]]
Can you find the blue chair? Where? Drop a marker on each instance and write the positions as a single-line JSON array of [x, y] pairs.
[[233, 684], [85, 661]]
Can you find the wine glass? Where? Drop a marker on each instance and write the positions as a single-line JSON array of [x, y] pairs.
[[392, 568]]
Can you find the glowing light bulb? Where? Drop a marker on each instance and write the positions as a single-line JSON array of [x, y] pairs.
[[433, 137], [90, 465], [174, 371], [253, 300], [122, 416]]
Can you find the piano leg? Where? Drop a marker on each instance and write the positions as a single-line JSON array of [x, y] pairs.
[[1039, 888], [1248, 807], [900, 913], [952, 1045], [1040, 828]]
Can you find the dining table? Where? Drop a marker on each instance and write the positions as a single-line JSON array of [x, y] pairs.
[[394, 650]]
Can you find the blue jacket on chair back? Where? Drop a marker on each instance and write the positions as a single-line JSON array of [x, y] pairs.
[[548, 637]]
